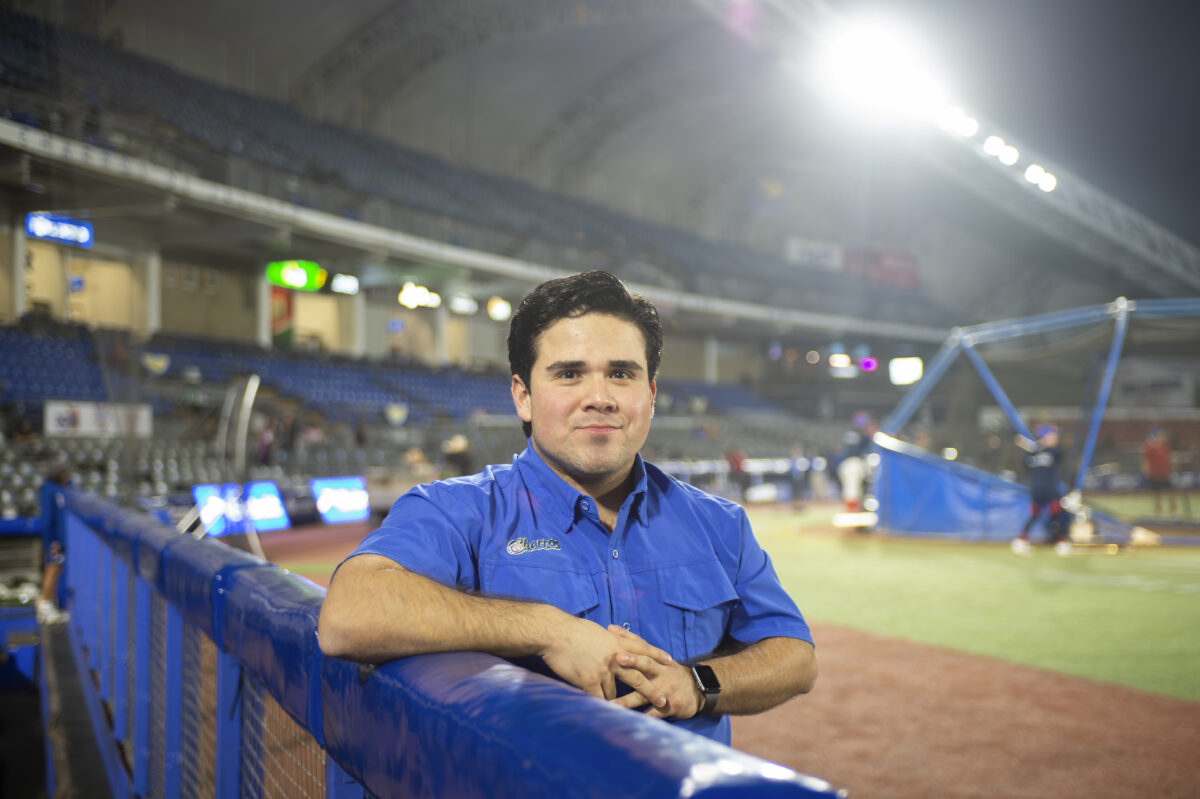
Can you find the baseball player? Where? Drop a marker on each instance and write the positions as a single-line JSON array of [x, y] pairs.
[[1043, 460]]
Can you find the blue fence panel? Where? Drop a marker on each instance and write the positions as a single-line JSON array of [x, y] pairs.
[[411, 726], [226, 692], [193, 572], [269, 623]]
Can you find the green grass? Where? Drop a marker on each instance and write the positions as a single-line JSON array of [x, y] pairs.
[[1132, 619]]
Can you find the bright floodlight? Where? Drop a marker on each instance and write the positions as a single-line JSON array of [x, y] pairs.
[[1047, 182], [1009, 155], [905, 371], [993, 145], [414, 296], [1035, 173], [958, 122], [876, 67], [499, 309]]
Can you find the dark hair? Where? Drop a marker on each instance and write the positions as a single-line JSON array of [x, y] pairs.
[[573, 296]]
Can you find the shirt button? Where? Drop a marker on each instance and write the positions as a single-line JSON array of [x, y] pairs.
[[625, 625], [616, 554], [585, 505]]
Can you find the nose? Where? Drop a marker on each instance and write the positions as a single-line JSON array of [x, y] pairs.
[[599, 395]]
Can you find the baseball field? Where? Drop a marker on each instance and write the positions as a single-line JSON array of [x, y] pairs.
[[961, 670]]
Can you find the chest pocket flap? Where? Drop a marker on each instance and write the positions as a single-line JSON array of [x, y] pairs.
[[700, 600], [696, 586]]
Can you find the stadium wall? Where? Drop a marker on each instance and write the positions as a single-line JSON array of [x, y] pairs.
[[202, 676]]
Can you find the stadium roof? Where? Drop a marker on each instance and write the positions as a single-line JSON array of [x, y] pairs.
[[680, 112]]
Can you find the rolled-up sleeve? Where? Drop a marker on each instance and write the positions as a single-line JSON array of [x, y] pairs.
[[763, 609]]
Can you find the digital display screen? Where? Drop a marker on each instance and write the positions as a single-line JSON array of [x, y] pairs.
[[229, 508], [341, 499]]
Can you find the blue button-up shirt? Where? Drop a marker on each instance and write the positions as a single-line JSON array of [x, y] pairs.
[[681, 568]]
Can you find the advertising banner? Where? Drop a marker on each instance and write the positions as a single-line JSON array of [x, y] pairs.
[[69, 419]]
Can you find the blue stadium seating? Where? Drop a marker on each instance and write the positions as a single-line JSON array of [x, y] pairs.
[[43, 60]]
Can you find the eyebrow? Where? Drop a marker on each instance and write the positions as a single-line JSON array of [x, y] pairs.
[[632, 366]]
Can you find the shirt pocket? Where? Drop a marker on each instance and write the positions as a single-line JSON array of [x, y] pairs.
[[569, 591], [699, 600]]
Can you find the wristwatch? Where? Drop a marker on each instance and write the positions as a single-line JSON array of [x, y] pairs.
[[709, 685]]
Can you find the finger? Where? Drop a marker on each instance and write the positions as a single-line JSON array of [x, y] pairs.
[[649, 693], [609, 686], [632, 700], [646, 665], [641, 646]]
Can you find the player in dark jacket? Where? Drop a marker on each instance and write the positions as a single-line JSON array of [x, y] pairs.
[[1043, 459]]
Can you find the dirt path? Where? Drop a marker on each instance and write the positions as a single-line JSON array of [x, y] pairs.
[[895, 719], [891, 719]]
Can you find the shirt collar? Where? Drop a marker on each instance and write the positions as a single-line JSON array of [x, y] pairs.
[[551, 494]]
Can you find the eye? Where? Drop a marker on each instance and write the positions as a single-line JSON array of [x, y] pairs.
[[568, 374]]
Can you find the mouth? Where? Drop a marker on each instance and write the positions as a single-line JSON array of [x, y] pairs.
[[598, 429]]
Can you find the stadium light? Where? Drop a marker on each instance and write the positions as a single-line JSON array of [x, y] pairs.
[[344, 284], [876, 67], [1009, 155], [993, 145], [463, 304], [499, 309], [1048, 182], [813, 357], [958, 122], [905, 371], [414, 296]]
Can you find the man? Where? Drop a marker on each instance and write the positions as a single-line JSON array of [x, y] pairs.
[[852, 470], [1156, 465], [54, 556], [627, 583], [1043, 461]]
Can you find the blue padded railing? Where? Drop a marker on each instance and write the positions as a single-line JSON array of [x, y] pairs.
[[203, 677]]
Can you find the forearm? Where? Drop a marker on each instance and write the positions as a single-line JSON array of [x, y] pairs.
[[376, 610], [764, 674]]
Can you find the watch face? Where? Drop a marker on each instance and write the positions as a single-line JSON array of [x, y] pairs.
[[707, 679]]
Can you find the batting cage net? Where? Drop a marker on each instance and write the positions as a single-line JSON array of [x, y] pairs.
[[1117, 384]]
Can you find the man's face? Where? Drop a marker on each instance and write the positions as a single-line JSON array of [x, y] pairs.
[[589, 399]]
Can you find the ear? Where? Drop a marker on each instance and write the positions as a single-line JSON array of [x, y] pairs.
[[653, 394], [521, 400]]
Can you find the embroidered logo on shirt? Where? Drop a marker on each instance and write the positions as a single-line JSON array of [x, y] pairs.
[[519, 546]]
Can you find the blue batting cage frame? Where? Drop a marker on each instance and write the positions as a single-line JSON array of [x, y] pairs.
[[994, 499]]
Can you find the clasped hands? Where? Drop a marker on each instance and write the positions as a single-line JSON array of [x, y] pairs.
[[593, 658]]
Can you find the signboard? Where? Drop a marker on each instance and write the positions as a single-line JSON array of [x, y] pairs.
[[58, 229], [231, 508], [341, 499], [70, 419]]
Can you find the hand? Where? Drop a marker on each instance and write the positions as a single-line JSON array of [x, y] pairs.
[[586, 655], [668, 687]]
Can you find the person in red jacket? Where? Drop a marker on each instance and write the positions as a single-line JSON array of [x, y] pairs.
[[1156, 465]]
